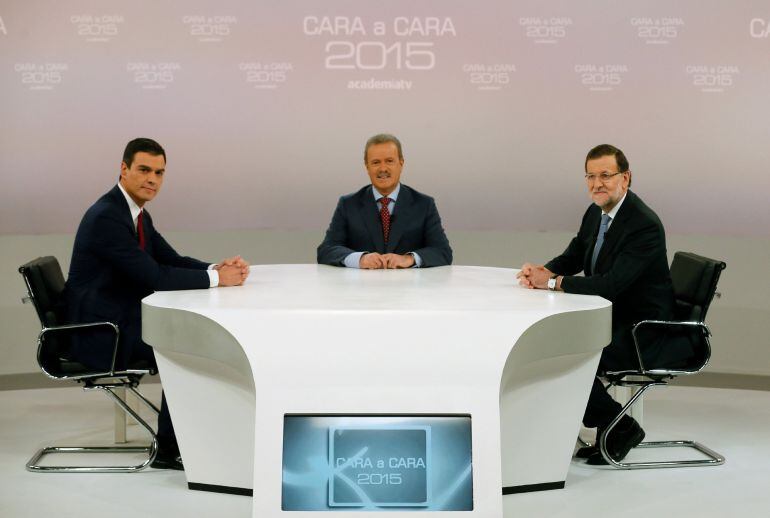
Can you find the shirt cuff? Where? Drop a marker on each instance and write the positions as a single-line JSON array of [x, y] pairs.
[[417, 259], [353, 260], [213, 277]]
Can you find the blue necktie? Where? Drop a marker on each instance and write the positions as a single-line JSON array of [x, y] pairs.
[[599, 240]]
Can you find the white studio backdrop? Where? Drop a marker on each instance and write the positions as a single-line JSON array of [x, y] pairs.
[[264, 107]]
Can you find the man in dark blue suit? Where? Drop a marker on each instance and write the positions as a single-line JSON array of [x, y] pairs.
[[621, 249], [385, 224], [119, 258]]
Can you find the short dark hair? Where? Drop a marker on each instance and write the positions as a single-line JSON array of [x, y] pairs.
[[608, 150], [142, 145], [383, 138]]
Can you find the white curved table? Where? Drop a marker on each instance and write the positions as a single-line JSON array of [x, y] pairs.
[[310, 339]]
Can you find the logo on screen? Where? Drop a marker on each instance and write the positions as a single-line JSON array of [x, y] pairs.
[[400, 44], [712, 79], [96, 28], [759, 28], [545, 30], [601, 78], [377, 463], [41, 76], [152, 76], [657, 31], [383, 466], [2, 27], [209, 29], [267, 75], [489, 77]]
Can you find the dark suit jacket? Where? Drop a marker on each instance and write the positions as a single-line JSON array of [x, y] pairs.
[[415, 227], [109, 275], [631, 272]]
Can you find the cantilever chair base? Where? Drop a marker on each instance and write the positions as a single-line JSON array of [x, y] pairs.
[[151, 450], [45, 288], [713, 458], [694, 279]]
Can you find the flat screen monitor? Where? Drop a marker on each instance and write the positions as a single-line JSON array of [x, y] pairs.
[[377, 463]]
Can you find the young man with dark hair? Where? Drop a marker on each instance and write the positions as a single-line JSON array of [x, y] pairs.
[[118, 259]]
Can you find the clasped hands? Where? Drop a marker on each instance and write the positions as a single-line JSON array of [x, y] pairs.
[[534, 276], [232, 271], [375, 261]]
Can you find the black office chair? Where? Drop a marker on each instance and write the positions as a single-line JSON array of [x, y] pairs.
[[695, 281], [45, 286]]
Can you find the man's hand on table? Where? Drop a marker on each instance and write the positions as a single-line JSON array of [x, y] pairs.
[[375, 261], [233, 271], [534, 276]]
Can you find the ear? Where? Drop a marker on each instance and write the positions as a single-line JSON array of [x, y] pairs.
[[123, 169]]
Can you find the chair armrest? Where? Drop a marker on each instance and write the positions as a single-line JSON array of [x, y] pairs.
[[76, 328], [670, 323], [662, 324]]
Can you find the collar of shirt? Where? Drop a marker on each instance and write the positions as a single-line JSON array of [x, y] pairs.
[[392, 196], [132, 206], [614, 211]]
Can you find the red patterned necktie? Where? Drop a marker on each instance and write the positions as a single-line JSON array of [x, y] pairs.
[[140, 229], [385, 217]]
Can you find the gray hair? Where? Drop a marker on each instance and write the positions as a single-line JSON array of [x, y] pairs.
[[383, 138]]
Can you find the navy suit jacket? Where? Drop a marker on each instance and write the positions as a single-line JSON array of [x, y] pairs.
[[631, 272], [109, 275], [415, 227]]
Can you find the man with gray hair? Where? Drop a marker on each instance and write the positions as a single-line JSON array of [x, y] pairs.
[[385, 224]]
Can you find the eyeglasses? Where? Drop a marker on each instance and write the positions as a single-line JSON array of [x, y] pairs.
[[604, 177]]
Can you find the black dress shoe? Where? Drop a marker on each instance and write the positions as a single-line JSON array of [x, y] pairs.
[[586, 451], [625, 436], [168, 456], [167, 460]]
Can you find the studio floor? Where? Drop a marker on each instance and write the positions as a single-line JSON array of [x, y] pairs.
[[736, 423]]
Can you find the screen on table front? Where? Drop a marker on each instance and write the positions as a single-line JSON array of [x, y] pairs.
[[377, 463]]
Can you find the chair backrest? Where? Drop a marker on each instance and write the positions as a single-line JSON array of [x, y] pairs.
[[695, 281], [45, 285]]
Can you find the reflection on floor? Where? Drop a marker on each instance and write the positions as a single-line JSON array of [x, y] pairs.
[[736, 423]]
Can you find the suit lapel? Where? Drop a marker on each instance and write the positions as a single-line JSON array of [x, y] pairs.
[[371, 217], [120, 201], [616, 228], [149, 230], [593, 225], [400, 218], [125, 214]]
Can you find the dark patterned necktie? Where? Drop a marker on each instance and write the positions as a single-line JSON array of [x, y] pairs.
[[140, 229], [385, 217]]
